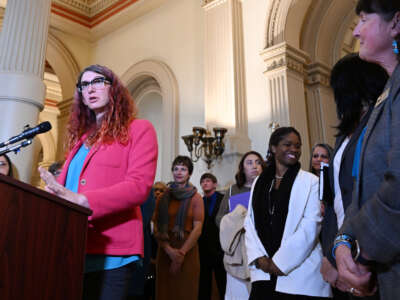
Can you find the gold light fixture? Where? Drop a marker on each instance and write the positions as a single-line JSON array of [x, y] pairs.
[[273, 126], [201, 144]]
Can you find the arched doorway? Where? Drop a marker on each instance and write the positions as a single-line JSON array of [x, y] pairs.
[[147, 81], [146, 92], [299, 55], [61, 71]]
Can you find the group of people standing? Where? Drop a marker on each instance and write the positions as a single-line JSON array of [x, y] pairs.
[[347, 245], [269, 236]]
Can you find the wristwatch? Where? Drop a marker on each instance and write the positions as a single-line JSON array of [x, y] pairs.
[[365, 262], [354, 246]]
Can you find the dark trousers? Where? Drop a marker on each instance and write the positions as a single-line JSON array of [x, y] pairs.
[[339, 295], [208, 265], [261, 290], [108, 284]]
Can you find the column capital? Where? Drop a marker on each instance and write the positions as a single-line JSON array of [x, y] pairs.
[[285, 56], [318, 73], [286, 73]]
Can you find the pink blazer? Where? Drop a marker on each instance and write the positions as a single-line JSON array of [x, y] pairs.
[[117, 179]]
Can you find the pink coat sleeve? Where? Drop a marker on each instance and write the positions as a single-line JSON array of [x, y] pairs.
[[138, 178]]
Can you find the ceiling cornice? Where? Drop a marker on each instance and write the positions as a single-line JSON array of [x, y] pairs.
[[89, 13], [113, 15]]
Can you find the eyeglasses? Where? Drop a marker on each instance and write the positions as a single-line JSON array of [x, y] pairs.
[[97, 83], [317, 155]]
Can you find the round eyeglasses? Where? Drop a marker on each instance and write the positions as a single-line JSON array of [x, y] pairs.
[[97, 83]]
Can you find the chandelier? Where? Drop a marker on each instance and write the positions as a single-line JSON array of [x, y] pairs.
[[202, 144]]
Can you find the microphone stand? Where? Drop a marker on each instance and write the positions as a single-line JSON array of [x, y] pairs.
[[16, 148]]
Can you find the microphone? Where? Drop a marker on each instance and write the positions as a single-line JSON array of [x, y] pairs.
[[28, 133]]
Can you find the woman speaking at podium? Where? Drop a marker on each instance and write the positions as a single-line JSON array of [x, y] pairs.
[[110, 168]]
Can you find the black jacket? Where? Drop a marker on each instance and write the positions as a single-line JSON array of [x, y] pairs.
[[329, 224], [209, 244]]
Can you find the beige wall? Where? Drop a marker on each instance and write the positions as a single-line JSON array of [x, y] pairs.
[[80, 49], [254, 23], [173, 34]]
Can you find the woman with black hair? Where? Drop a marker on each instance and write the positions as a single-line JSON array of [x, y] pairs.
[[372, 222], [356, 85], [5, 165], [283, 224]]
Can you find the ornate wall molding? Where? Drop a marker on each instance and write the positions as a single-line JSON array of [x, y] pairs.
[[318, 73], [94, 25], [88, 8], [286, 69], [303, 40], [272, 22], [89, 14], [284, 21], [285, 56]]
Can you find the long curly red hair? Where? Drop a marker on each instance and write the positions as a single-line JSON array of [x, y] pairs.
[[115, 124]]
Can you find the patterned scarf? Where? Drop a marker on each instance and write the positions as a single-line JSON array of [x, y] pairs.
[[184, 195]]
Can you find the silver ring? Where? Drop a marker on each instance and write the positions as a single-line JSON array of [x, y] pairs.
[[352, 290]]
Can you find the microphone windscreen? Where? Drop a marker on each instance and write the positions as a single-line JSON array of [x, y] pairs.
[[44, 127]]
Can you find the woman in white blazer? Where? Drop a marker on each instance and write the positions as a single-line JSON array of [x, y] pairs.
[[283, 225]]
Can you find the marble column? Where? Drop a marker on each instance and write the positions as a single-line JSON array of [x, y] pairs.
[[225, 92], [321, 105], [286, 74], [22, 59]]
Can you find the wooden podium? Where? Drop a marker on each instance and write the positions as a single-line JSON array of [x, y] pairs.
[[42, 244]]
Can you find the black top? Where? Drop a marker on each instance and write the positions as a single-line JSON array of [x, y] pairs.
[[270, 206], [330, 228], [275, 222], [209, 244]]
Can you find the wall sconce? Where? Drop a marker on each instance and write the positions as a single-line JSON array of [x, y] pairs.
[[202, 144]]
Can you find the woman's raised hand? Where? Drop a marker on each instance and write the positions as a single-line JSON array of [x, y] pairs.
[[52, 186]]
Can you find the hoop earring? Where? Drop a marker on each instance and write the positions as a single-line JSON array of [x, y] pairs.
[[395, 47]]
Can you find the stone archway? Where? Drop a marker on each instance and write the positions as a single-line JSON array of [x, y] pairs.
[[67, 70], [168, 87], [51, 143], [299, 56], [147, 95]]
